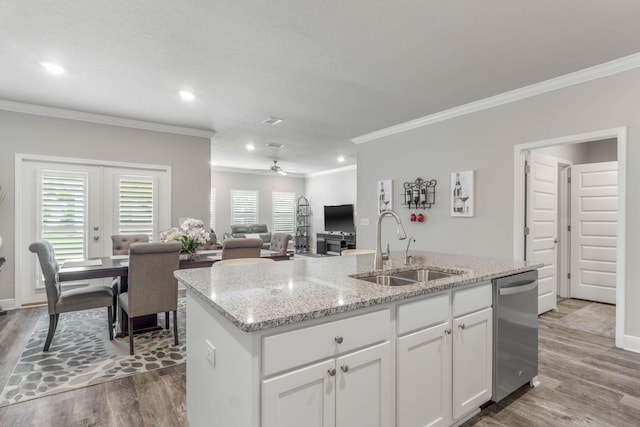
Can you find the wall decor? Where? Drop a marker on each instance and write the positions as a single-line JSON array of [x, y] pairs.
[[419, 194], [385, 195], [462, 193]]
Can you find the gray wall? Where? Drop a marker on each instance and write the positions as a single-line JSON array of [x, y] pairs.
[[265, 184], [334, 188], [484, 141], [24, 133], [586, 152]]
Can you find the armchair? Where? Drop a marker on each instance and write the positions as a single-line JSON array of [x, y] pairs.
[[152, 286], [59, 301]]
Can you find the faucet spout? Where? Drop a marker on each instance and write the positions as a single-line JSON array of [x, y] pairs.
[[399, 229]]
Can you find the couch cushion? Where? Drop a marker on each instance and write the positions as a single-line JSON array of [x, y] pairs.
[[259, 228], [240, 228]]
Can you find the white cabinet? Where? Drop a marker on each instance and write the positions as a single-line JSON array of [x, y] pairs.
[[472, 362], [351, 390], [424, 377], [444, 370]]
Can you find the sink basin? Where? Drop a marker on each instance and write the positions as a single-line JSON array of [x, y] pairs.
[[388, 280], [423, 275], [407, 277]]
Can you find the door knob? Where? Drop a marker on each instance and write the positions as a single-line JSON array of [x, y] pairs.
[[96, 238], [96, 228]]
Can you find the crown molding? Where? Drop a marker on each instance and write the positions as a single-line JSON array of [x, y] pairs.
[[592, 73], [331, 171], [61, 113]]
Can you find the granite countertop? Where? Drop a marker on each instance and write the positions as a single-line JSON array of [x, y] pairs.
[[262, 296]]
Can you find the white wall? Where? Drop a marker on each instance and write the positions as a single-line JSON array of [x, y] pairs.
[[188, 157], [337, 187], [265, 184], [586, 152], [484, 141]]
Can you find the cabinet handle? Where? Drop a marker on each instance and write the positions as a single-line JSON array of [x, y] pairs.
[[345, 368], [461, 326], [447, 331], [338, 340], [96, 238], [331, 372]]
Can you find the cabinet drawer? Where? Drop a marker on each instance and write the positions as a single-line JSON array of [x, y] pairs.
[[425, 312], [295, 348], [471, 299]]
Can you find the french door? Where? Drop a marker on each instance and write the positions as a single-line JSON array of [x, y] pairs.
[[77, 206]]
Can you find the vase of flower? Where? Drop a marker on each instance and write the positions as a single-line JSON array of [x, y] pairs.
[[191, 234]]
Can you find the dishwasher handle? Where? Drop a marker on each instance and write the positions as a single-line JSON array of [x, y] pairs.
[[518, 287]]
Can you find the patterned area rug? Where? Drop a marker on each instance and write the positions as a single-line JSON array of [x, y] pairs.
[[81, 355], [595, 318]]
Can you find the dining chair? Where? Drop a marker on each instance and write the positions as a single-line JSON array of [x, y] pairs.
[[242, 261], [348, 252], [152, 287], [120, 246], [64, 301], [240, 247], [280, 243]]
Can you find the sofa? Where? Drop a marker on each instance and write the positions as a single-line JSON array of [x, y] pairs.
[[259, 230]]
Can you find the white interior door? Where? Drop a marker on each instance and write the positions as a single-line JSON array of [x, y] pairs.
[[542, 221], [594, 231], [77, 206]]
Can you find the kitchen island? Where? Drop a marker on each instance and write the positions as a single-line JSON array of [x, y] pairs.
[[309, 342]]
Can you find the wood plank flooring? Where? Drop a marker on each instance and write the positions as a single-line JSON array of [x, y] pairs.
[[585, 380]]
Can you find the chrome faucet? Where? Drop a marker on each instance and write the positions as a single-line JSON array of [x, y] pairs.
[[401, 236], [407, 257]]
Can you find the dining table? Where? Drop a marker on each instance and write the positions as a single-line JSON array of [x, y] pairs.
[[74, 270]]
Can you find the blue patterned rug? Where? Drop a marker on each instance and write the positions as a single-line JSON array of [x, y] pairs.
[[81, 355]]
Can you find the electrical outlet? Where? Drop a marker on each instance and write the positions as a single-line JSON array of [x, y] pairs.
[[364, 221], [211, 353]]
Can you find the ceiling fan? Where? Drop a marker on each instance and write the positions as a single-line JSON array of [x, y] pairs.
[[277, 169]]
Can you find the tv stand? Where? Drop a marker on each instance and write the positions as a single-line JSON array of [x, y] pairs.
[[333, 243]]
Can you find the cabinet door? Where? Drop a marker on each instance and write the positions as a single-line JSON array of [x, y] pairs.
[[363, 382], [472, 361], [305, 397], [424, 378]]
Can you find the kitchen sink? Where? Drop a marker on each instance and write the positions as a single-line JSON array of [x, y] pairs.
[[407, 277]]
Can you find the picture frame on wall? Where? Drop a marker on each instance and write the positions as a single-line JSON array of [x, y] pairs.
[[385, 195], [462, 194]]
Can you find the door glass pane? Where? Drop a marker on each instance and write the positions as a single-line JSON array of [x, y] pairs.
[[136, 214], [63, 216]]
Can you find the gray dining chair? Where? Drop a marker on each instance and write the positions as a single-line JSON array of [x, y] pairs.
[[63, 301], [280, 243], [120, 246], [152, 286], [240, 247]]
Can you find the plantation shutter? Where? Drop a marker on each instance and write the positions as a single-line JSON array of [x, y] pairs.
[[244, 207], [283, 205], [136, 214], [212, 209], [63, 219]]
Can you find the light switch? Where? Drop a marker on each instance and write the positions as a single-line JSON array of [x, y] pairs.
[[211, 353]]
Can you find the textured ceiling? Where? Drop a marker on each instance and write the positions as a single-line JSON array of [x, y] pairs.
[[332, 70]]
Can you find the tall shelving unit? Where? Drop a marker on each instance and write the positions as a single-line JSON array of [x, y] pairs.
[[302, 224]]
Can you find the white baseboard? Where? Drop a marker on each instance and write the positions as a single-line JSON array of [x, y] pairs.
[[631, 343], [8, 304]]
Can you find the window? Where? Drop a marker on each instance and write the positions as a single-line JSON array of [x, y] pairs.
[[135, 206], [63, 218], [212, 209], [283, 207], [244, 207]]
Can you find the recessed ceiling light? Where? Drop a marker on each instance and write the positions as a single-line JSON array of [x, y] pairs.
[[341, 159], [52, 68], [250, 147], [186, 95], [272, 121], [273, 145]]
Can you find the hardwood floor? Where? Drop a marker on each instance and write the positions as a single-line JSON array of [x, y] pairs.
[[585, 380]]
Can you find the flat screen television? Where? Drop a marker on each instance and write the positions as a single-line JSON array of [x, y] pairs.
[[339, 218]]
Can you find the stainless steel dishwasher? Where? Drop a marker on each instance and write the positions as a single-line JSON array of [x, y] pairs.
[[515, 332]]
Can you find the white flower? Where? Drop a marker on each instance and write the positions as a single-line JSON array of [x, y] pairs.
[[191, 233]]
